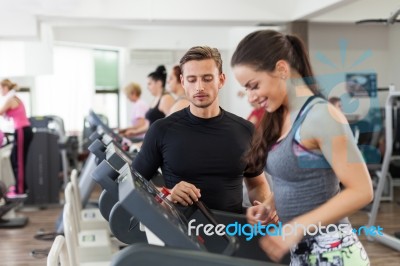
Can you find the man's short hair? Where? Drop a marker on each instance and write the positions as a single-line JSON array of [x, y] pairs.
[[202, 53]]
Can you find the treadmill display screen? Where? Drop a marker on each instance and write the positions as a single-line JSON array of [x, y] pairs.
[[119, 152], [158, 197], [95, 120], [154, 200]]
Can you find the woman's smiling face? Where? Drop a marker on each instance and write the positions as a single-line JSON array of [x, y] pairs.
[[266, 89]]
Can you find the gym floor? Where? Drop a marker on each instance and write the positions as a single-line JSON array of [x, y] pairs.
[[16, 245]]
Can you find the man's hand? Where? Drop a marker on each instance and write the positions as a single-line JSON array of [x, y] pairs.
[[185, 193]]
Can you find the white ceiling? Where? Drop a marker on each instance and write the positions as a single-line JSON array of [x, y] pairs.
[[21, 18]]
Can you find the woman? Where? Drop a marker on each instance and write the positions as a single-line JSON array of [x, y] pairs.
[[307, 147], [15, 109], [162, 102], [256, 114], [175, 87], [139, 107]]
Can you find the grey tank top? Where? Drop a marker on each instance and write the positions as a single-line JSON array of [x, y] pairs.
[[302, 179]]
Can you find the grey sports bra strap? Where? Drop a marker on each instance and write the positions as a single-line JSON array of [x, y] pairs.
[[303, 114]]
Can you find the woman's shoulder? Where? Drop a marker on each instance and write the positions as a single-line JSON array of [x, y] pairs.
[[179, 105], [13, 102], [326, 112], [167, 97], [324, 118]]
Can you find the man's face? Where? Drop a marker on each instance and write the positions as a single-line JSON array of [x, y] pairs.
[[201, 81]]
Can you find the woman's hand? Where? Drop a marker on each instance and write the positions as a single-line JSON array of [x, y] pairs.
[[263, 213], [130, 132], [277, 246]]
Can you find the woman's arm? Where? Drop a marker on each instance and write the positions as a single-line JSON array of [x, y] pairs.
[[179, 105], [137, 130], [140, 122], [260, 195], [339, 148], [166, 103], [7, 105]]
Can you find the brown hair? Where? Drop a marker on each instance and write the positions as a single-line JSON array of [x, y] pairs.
[[261, 50], [7, 83], [133, 88], [333, 100], [202, 53], [177, 72]]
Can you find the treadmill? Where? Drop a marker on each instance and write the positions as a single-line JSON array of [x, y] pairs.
[[143, 201]]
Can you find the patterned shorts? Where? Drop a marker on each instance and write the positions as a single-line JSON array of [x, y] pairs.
[[341, 248]]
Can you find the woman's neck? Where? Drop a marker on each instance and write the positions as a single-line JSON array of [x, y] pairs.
[[298, 93], [159, 93], [9, 94], [180, 93]]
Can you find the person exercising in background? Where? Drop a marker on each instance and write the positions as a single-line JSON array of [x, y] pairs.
[[308, 148], [162, 102], [14, 108], [200, 147], [336, 102], [138, 110], [175, 87], [256, 114]]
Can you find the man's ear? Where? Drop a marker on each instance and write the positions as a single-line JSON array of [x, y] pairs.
[[222, 79], [181, 78]]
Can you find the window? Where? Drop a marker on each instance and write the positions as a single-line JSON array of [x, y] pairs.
[[68, 93], [106, 99]]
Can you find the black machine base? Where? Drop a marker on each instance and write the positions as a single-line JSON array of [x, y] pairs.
[[17, 222]]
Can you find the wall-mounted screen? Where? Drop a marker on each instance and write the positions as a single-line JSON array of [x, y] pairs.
[[361, 84]]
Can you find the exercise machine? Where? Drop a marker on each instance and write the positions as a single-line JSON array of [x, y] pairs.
[[99, 138], [170, 226], [117, 161], [46, 158], [385, 238], [8, 218]]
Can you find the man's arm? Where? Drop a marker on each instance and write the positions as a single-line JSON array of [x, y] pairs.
[[150, 157], [258, 188]]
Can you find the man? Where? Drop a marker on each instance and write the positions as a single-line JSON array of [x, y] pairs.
[[200, 148]]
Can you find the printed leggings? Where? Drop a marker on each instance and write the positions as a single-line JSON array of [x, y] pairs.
[[341, 248]]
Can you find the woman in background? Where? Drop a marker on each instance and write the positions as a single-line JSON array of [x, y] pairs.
[[256, 114], [336, 102], [138, 110], [175, 87], [162, 101], [15, 109]]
